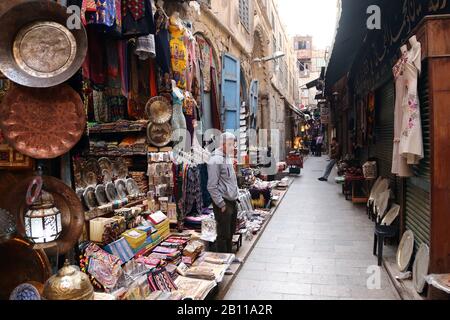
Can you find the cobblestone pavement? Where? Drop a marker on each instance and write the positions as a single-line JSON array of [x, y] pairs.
[[318, 246]]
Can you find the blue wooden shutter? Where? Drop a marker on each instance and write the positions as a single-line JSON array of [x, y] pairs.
[[230, 92], [254, 89]]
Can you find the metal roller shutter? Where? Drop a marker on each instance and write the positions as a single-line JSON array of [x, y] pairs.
[[418, 199], [384, 130]]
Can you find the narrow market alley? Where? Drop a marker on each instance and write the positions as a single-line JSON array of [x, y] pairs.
[[317, 246]]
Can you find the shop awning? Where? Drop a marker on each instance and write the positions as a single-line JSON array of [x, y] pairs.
[[350, 35], [297, 111]]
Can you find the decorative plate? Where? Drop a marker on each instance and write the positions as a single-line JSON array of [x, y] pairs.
[[158, 110], [25, 292], [121, 188], [132, 187], [42, 123], [111, 192], [405, 251], [106, 168], [420, 268], [89, 197], [120, 168], [65, 199], [100, 195], [90, 172], [30, 56], [20, 264], [159, 135]]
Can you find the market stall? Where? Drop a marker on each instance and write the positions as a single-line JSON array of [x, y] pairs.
[[112, 188]]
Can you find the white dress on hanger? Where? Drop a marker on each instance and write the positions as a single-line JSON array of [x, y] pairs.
[[399, 164], [411, 140]]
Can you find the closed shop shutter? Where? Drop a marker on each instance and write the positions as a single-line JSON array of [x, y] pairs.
[[418, 199], [384, 131]]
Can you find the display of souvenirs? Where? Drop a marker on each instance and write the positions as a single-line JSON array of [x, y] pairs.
[[196, 289]]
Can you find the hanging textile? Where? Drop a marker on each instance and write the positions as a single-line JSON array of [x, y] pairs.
[[411, 141], [123, 63], [193, 199], [217, 124], [206, 197], [399, 164], [105, 13], [162, 41], [113, 64], [137, 18], [101, 112], [94, 68], [205, 62], [178, 53]]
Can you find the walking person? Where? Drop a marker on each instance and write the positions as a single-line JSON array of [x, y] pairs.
[[319, 145], [223, 188], [335, 155], [313, 146]]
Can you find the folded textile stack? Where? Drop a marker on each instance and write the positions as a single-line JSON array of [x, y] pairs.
[[160, 280], [217, 258], [166, 296], [196, 289], [192, 251], [121, 125], [133, 144], [195, 222], [204, 270]]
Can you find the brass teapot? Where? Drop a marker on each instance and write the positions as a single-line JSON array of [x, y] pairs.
[[69, 284]]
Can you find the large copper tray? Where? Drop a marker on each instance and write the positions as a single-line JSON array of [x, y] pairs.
[[38, 49], [42, 123], [66, 200], [20, 263]]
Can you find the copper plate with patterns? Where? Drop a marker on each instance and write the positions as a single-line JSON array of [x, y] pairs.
[[158, 110], [42, 123], [65, 199], [100, 194], [39, 48], [90, 172], [159, 135], [21, 263]]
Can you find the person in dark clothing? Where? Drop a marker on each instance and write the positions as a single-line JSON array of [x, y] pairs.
[[319, 144], [335, 155], [313, 146]]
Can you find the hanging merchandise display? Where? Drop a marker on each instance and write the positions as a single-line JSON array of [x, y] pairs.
[[178, 50], [411, 141], [31, 58]]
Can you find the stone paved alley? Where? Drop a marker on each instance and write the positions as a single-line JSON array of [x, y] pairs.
[[317, 246]]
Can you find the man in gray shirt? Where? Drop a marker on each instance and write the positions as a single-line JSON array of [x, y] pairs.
[[223, 188]]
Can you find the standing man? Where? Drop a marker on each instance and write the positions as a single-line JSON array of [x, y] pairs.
[[223, 187], [335, 155], [319, 144]]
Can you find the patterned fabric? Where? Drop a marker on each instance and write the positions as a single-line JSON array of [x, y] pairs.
[[105, 13], [205, 62], [136, 8], [193, 191], [178, 55]]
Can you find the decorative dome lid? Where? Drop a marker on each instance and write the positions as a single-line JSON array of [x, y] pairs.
[[69, 284]]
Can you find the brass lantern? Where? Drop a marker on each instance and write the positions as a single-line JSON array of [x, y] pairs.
[[43, 220]]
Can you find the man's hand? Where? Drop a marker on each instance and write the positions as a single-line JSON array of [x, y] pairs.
[[224, 209]]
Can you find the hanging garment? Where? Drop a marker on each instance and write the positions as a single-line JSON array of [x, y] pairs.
[[145, 47], [179, 126], [193, 199], [411, 140], [113, 64], [205, 62], [137, 18], [192, 62], [190, 113], [178, 53], [104, 14], [101, 111], [94, 66], [162, 37], [207, 201], [123, 65], [214, 101], [399, 164]]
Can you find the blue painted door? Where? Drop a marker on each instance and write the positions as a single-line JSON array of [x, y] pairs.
[[254, 89], [230, 92]]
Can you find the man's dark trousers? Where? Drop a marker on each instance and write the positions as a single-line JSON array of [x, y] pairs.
[[226, 226]]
